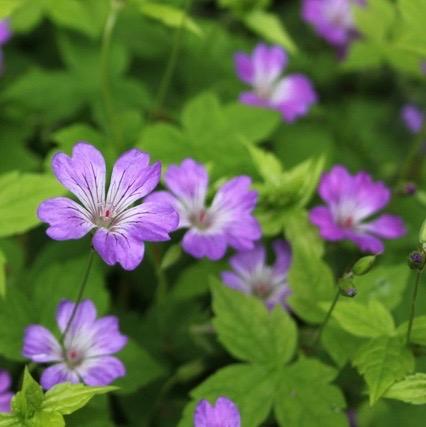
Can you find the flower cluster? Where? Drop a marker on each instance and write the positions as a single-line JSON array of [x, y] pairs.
[[292, 95], [85, 350]]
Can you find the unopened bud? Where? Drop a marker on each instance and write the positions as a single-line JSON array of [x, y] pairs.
[[416, 260], [347, 287], [363, 265]]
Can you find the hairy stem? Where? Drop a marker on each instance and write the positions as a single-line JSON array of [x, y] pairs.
[[327, 317], [107, 97], [171, 64], [413, 305], [79, 295]]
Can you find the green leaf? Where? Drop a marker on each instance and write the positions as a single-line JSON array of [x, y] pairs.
[[382, 361], [20, 196], [385, 283], [305, 397], [2, 274], [414, 14], [9, 420], [268, 166], [8, 6], [169, 15], [375, 18], [67, 398], [251, 387], [141, 368], [171, 257], [270, 27], [249, 331], [47, 419], [418, 330], [372, 320], [29, 400], [411, 389]]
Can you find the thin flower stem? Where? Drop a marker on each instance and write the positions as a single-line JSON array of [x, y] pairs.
[[412, 155], [171, 64], [413, 305], [327, 317], [79, 295], [115, 128], [162, 287]]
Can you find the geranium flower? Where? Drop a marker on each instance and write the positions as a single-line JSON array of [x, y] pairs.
[[223, 414], [121, 228], [227, 222], [292, 95], [252, 275], [86, 352], [350, 201], [412, 117], [332, 19], [5, 393]]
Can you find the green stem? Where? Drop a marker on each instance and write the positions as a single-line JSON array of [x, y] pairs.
[[413, 305], [327, 317], [79, 295], [115, 129], [412, 156], [171, 64], [162, 287]]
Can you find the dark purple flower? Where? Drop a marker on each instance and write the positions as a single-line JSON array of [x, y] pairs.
[[86, 352], [292, 95], [5, 393], [412, 117], [121, 228], [223, 414], [227, 222], [253, 276], [332, 19], [350, 201]]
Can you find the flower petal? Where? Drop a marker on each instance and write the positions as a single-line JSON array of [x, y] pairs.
[[101, 371], [107, 338], [386, 226], [366, 242], [164, 197], [323, 219], [84, 317], [223, 413], [279, 296], [245, 263], [5, 401], [188, 182], [282, 257], [293, 96], [5, 381], [413, 118], [268, 63], [132, 178], [83, 174], [57, 374], [148, 221], [242, 233], [67, 219], [125, 248], [5, 32], [199, 245], [335, 184], [40, 345], [244, 67], [251, 98], [234, 281]]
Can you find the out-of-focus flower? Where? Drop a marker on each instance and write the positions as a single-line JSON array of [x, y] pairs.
[[350, 201], [227, 222], [332, 19], [223, 414], [412, 117], [86, 352], [252, 275], [5, 393], [292, 95], [5, 35], [121, 228]]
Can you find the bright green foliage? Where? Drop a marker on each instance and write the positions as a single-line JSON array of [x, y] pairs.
[[418, 331], [411, 389], [20, 195], [267, 341], [2, 274], [383, 361], [369, 321]]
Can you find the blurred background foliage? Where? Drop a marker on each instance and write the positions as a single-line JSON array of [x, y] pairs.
[[67, 78]]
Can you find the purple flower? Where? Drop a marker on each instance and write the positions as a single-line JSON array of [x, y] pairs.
[[292, 96], [223, 414], [350, 201], [412, 117], [227, 222], [86, 352], [5, 393], [253, 276], [121, 228], [332, 19]]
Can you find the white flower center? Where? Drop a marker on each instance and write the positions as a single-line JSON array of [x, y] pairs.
[[73, 357], [201, 219]]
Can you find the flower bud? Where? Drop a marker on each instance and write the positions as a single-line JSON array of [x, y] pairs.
[[347, 287], [363, 265], [416, 260]]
